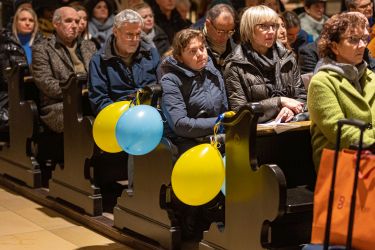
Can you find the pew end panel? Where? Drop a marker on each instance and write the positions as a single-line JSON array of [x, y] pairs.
[[18, 158], [248, 190], [147, 210], [73, 181], [261, 209], [143, 211]]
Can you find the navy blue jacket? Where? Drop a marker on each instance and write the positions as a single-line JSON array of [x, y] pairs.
[[192, 100], [110, 80]]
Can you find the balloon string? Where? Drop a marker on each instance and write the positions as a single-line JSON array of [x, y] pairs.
[[137, 97], [214, 140]]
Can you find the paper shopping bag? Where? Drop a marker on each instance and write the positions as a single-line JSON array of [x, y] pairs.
[[364, 220]]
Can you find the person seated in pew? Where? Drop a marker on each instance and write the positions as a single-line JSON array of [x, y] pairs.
[[101, 18], [150, 31], [313, 18], [125, 64], [193, 98], [15, 47], [281, 33], [297, 37], [343, 86], [54, 60], [193, 90], [218, 30], [262, 70]]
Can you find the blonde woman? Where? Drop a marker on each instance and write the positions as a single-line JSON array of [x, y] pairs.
[[16, 46], [262, 70]]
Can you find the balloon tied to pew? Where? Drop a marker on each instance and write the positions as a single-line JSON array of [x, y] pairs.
[[137, 130], [198, 175]]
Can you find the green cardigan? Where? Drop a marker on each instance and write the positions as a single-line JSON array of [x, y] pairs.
[[332, 97]]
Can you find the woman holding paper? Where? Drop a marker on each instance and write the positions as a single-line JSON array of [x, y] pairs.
[[263, 70], [343, 87]]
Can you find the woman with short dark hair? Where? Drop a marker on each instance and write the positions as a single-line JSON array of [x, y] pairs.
[[297, 37], [101, 18], [343, 87], [193, 90]]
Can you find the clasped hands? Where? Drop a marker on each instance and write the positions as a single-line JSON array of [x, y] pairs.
[[290, 107]]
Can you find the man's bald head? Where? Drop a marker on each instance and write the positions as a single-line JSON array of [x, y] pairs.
[[65, 21]]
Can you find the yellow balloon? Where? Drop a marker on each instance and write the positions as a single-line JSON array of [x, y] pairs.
[[198, 175], [104, 129]]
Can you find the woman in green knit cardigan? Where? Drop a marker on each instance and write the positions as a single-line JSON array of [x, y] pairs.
[[343, 87]]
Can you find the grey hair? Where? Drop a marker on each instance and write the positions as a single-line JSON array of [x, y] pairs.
[[56, 16], [215, 11], [127, 16]]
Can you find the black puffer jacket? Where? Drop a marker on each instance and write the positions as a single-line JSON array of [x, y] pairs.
[[11, 53], [245, 81], [161, 41]]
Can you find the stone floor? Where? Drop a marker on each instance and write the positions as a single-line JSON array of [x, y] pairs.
[[26, 225]]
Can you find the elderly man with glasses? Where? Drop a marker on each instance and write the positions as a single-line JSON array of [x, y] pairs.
[[363, 6], [218, 30], [125, 64]]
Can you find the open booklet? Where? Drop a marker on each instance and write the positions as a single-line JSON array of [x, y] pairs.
[[278, 126]]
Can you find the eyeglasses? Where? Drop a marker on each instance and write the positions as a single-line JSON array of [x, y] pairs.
[[355, 40], [364, 6], [223, 32], [268, 26], [131, 36]]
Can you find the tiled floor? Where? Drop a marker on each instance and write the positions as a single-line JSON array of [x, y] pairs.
[[25, 225]]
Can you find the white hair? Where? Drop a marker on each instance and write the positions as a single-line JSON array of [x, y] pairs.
[[127, 16]]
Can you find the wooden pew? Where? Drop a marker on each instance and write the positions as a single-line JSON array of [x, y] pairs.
[[88, 178], [18, 157], [262, 209], [147, 210], [74, 180], [144, 212]]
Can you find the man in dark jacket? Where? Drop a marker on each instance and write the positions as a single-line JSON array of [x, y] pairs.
[[218, 30], [54, 60], [123, 65]]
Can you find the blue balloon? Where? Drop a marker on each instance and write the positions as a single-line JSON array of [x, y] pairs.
[[139, 130], [223, 186]]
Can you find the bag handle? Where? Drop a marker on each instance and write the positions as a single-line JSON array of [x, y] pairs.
[[362, 127]]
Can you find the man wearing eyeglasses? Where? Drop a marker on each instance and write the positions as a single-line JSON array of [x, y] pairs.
[[125, 64], [366, 8], [363, 6], [218, 30]]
